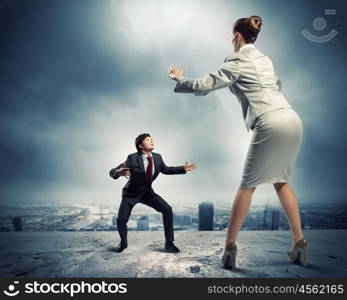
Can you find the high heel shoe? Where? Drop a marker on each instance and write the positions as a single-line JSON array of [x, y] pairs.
[[299, 247], [229, 256]]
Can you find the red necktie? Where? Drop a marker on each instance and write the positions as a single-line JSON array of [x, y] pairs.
[[149, 168]]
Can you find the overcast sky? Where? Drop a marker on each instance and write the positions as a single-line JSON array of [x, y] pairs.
[[79, 80]]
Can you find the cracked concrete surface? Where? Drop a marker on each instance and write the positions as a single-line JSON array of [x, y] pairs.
[[91, 254]]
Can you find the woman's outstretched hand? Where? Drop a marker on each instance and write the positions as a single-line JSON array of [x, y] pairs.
[[175, 73]]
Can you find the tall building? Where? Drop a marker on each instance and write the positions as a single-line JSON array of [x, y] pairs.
[[143, 223], [271, 219], [17, 223], [267, 219], [275, 219], [206, 216]]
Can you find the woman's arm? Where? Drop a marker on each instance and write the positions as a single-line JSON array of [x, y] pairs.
[[226, 74], [279, 83]]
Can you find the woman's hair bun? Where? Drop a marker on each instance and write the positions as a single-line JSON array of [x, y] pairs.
[[254, 23]]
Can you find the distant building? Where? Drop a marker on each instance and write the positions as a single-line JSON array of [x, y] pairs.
[[17, 223], [143, 223], [84, 212], [182, 220], [271, 219], [267, 219], [206, 216], [114, 220], [275, 219]]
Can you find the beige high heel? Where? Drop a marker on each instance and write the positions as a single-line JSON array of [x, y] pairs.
[[299, 247], [229, 256]]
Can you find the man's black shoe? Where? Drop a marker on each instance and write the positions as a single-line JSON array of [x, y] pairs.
[[170, 247], [121, 247]]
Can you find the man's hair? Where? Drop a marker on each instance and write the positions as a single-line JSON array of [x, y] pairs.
[[139, 140]]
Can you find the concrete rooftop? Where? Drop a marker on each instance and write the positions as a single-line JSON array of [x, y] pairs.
[[91, 254]]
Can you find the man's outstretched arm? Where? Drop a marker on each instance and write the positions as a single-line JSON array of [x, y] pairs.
[[121, 169], [174, 170]]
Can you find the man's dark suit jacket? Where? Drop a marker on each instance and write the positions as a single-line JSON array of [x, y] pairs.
[[138, 185]]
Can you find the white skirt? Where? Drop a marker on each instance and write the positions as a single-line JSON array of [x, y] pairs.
[[274, 147]]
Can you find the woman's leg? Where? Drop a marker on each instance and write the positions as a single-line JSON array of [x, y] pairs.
[[241, 205], [289, 203]]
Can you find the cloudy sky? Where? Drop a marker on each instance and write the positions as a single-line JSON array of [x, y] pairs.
[[79, 80]]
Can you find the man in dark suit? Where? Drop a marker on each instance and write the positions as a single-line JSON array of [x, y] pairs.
[[141, 169]]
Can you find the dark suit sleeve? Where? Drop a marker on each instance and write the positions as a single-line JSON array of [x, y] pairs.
[[171, 170], [113, 171]]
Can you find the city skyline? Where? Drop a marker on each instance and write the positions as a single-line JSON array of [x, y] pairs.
[[200, 218]]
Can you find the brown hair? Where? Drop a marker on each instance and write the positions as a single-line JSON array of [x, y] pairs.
[[248, 27], [139, 140]]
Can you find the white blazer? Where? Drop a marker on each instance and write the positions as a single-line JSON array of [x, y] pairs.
[[250, 76]]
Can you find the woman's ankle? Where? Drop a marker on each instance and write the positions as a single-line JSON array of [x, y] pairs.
[[229, 243], [295, 239]]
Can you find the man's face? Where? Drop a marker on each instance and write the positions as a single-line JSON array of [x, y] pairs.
[[147, 144]]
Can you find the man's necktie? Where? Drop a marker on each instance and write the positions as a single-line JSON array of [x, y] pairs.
[[149, 168]]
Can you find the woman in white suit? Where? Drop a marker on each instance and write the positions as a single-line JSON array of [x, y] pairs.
[[278, 130]]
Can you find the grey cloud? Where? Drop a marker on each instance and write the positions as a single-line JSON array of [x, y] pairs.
[[80, 79]]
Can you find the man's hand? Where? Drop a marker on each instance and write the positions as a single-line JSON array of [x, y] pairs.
[[175, 73], [123, 171], [189, 167]]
